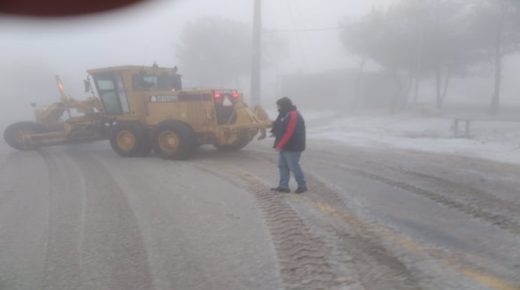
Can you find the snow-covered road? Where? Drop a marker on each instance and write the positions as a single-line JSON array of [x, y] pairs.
[[81, 217]]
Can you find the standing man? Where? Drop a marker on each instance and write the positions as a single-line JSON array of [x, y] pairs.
[[289, 133]]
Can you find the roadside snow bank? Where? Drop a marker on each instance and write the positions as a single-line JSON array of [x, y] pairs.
[[493, 140]]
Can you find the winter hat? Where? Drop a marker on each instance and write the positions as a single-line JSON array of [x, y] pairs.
[[285, 103]]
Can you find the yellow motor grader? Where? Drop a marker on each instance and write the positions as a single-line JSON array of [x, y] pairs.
[[140, 109]]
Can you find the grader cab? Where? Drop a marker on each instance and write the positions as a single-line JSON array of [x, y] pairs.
[[140, 109]]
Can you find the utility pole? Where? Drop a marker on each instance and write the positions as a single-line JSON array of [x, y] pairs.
[[498, 60], [256, 66]]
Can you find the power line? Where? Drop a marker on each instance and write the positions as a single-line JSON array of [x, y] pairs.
[[269, 31]]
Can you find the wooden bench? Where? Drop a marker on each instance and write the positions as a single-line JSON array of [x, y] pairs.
[[461, 127]]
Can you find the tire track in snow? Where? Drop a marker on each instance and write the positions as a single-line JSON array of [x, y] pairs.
[[303, 261], [62, 262], [94, 241], [502, 221]]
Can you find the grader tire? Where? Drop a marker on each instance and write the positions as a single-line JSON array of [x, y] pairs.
[[13, 134], [129, 140], [237, 146], [174, 140]]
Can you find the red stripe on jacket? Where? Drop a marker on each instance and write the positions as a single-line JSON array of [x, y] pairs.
[[289, 132]]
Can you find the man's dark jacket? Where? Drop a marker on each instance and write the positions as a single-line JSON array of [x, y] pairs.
[[289, 131]]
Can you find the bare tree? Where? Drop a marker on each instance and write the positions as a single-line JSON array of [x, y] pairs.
[[216, 52], [495, 35], [414, 38]]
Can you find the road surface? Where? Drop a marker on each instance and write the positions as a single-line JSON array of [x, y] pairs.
[[80, 217]]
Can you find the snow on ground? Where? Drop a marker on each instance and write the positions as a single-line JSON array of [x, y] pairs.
[[492, 140]]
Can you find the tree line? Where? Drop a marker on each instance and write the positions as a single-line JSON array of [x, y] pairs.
[[413, 41], [436, 39]]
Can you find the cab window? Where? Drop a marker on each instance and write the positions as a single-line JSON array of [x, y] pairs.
[[162, 82], [112, 94]]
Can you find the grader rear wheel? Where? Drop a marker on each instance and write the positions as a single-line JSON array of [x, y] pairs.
[[238, 145], [130, 140], [174, 140]]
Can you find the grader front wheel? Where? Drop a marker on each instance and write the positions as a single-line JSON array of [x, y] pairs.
[[15, 134]]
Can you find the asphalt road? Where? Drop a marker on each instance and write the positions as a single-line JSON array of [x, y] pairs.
[[80, 217]]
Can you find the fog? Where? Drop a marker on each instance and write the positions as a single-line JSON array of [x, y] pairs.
[[307, 34], [405, 119], [35, 50]]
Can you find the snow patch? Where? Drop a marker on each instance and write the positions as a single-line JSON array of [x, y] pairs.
[[492, 140]]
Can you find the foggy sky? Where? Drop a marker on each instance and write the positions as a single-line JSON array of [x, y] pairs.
[[33, 51], [148, 33]]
